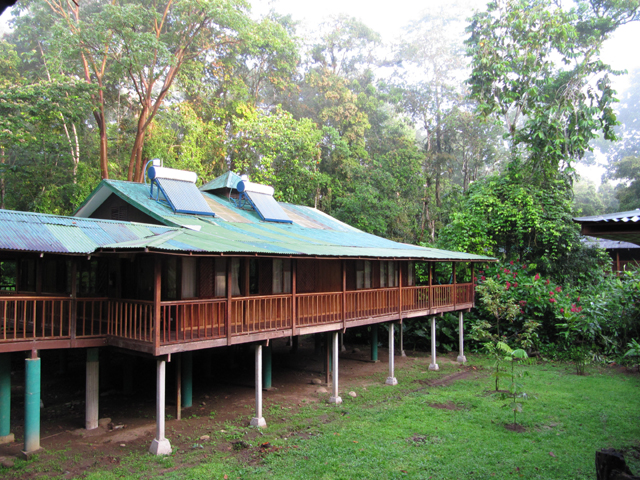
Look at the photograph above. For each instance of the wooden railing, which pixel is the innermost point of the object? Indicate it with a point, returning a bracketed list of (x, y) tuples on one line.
[(29, 318), (260, 314), (92, 316), (188, 320), (37, 317), (415, 298), (319, 308), (131, 319), (371, 303)]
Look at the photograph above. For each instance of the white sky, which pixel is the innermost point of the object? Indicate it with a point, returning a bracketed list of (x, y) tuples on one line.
[(390, 19)]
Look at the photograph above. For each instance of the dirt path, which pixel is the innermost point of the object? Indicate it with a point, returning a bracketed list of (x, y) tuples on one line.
[(127, 421)]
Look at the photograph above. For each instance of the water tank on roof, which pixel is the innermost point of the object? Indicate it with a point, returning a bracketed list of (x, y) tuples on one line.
[(245, 186), (172, 174)]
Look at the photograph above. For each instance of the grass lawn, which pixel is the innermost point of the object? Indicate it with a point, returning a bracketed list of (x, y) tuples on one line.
[(418, 430)]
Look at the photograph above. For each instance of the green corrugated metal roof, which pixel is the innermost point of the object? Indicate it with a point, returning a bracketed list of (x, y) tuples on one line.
[(318, 235), (38, 232)]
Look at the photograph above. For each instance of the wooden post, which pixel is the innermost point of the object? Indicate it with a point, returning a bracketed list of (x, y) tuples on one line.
[(430, 285), (227, 316), (399, 290), (157, 308), (617, 262), (473, 284), (294, 291), (344, 295), (455, 285), (179, 388), (74, 302)]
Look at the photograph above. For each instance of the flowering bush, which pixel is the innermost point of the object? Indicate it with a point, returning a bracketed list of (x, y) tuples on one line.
[(600, 318)]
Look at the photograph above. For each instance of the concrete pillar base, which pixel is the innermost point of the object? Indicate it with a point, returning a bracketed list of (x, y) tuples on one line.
[(336, 400), (27, 455), (434, 367), (258, 422), (160, 447), (391, 381), (402, 354), (7, 439), (461, 359)]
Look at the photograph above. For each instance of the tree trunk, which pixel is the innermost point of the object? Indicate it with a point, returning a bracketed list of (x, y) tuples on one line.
[(610, 465)]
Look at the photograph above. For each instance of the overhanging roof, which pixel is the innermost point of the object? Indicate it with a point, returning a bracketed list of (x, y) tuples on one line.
[(619, 226)]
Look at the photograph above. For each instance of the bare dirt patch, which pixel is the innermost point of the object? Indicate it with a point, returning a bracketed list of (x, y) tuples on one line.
[(446, 406), (515, 427)]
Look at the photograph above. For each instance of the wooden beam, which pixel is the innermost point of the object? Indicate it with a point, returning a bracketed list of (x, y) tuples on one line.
[(227, 314), (294, 299), (157, 298)]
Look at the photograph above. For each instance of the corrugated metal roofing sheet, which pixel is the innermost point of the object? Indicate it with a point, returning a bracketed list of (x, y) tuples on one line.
[(630, 216), (317, 235), (38, 232)]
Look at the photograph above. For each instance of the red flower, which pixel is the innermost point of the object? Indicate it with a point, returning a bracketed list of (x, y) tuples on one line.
[(537, 276), (562, 310), (551, 294), (521, 311), (508, 285), (482, 278), (515, 284), (552, 300), (558, 289), (522, 302), (475, 279), (548, 281), (578, 299), (515, 275), (511, 262), (524, 267), (506, 270), (498, 276), (579, 309)]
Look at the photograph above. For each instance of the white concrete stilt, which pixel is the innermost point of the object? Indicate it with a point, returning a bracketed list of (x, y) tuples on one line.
[(391, 379), (258, 420), (461, 358), (434, 365), (160, 445), (92, 394), (335, 398)]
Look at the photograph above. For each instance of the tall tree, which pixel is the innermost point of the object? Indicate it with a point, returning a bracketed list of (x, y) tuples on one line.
[(536, 67)]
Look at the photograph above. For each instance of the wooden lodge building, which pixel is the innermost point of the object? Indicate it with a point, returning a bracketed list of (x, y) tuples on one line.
[(165, 268)]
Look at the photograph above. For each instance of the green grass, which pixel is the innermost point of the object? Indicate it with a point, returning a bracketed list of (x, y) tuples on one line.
[(394, 432)]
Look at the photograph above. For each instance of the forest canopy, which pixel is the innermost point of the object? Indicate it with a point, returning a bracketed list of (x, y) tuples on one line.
[(413, 141)]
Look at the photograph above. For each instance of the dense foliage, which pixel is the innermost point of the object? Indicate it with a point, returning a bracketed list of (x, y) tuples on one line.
[(92, 90)]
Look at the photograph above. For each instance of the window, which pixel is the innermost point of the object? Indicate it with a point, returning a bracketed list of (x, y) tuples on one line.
[(8, 275), (235, 277), (220, 280), (388, 274), (363, 274), (281, 275), (411, 274), (188, 277)]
